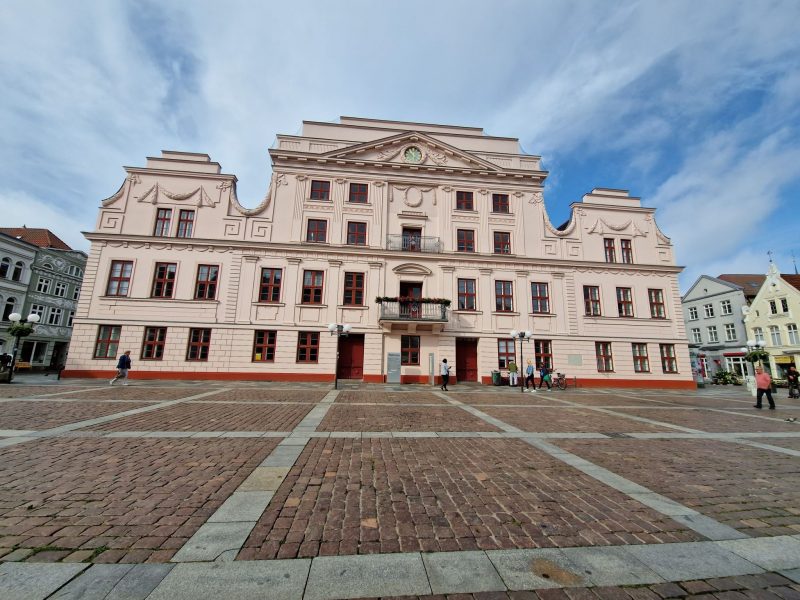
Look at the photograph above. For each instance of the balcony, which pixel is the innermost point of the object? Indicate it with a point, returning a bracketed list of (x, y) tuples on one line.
[(413, 243), (414, 316)]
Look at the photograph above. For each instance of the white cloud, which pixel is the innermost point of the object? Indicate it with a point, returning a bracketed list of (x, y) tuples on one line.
[(21, 209)]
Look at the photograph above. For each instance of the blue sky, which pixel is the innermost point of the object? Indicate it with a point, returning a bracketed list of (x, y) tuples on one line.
[(694, 106)]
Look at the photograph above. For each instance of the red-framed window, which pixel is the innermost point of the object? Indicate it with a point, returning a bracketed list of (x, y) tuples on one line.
[(270, 287), (312, 287), (464, 200), (543, 351), (465, 240), (641, 361), (353, 289), (500, 203), (199, 343), (185, 224), (317, 231), (657, 308), (506, 352), (625, 302), (626, 248), (106, 344), (163, 221), (320, 190), (669, 362), (264, 345), (502, 242), (356, 233), (119, 278), (504, 296), (610, 250), (153, 343), (605, 360), (540, 298), (409, 349), (205, 287), (359, 193), (307, 346), (467, 298), (591, 300), (164, 280)]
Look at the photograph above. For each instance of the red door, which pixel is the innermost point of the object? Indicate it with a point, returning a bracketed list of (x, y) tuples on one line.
[(351, 357), (466, 359)]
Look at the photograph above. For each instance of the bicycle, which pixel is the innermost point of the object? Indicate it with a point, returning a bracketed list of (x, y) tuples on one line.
[(560, 381)]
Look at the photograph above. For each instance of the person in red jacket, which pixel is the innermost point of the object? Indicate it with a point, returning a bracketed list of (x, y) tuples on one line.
[(763, 386)]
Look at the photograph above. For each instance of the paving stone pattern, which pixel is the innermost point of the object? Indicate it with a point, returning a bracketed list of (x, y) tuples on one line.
[(30, 391), (141, 499), (714, 421), (753, 490), (516, 399), (401, 418), (44, 414), (351, 397), (566, 419), (266, 395), (347, 496), (136, 392), (212, 416)]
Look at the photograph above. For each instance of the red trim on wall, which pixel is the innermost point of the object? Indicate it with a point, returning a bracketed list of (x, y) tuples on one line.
[(670, 384)]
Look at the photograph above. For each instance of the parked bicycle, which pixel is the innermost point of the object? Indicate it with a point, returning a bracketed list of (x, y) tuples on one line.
[(560, 381)]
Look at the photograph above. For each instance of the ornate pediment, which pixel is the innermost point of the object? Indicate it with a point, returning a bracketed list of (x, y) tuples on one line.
[(413, 148)]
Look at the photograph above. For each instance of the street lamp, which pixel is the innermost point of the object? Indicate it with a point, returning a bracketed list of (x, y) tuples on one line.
[(339, 330), (521, 336), (20, 329)]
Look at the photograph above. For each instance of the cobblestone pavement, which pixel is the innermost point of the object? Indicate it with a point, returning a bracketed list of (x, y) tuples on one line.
[(278, 478)]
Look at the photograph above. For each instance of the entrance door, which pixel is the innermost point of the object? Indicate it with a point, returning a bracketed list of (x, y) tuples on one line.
[(411, 290), (351, 357), (466, 359)]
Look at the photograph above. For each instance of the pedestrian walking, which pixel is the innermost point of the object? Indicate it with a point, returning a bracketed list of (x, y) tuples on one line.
[(445, 375), (529, 376), (763, 386), (512, 374), (793, 382), (123, 366), (544, 377)]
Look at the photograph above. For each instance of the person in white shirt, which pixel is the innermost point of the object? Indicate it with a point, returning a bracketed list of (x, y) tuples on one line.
[(445, 375)]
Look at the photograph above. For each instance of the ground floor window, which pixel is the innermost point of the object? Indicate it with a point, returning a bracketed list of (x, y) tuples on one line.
[(543, 350), (107, 341), (153, 345), (308, 346), (264, 346), (736, 365), (641, 362), (409, 350), (506, 352), (199, 343), (33, 352), (605, 361), (668, 361)]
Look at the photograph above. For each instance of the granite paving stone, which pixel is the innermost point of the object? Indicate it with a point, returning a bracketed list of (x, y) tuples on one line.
[(45, 414), (401, 418), (416, 397), (35, 581), (713, 421), (265, 395), (545, 419)]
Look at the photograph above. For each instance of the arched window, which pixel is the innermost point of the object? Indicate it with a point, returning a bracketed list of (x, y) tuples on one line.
[(5, 265), (794, 339), (10, 303), (775, 335), (47, 266), (18, 268)]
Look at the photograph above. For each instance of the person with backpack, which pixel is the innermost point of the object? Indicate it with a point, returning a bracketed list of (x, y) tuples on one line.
[(544, 377)]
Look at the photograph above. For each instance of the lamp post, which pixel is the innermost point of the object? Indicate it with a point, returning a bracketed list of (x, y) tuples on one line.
[(20, 329), (754, 350), (339, 330), (521, 336)]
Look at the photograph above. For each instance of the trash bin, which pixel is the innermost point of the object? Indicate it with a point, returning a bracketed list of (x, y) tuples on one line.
[(496, 379)]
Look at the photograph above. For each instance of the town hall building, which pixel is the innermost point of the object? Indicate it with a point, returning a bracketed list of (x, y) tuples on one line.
[(427, 241)]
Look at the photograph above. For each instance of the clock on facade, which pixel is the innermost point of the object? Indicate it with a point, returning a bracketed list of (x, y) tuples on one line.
[(412, 154)]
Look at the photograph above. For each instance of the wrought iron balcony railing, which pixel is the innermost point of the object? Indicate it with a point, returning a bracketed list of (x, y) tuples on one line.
[(413, 243), (413, 311)]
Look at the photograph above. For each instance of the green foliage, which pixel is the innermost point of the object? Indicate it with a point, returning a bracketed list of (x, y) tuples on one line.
[(20, 330), (725, 377), (382, 299), (757, 355)]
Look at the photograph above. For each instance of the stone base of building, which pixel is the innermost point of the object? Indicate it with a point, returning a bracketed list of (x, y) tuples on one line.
[(671, 384)]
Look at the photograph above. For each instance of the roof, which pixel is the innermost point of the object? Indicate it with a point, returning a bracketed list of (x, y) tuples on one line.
[(750, 284), (44, 238), (793, 280)]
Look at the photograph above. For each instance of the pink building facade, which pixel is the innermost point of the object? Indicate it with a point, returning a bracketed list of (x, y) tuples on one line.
[(430, 241)]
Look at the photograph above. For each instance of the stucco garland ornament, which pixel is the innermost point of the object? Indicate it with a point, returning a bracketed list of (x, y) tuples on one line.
[(413, 195)]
